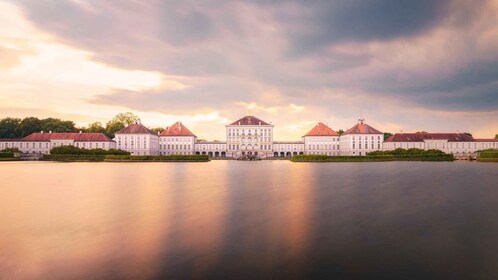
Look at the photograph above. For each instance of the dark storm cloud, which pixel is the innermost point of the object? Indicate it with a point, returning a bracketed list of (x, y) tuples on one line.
[(360, 20)]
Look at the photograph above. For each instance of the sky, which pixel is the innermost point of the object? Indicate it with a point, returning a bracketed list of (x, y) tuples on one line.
[(403, 66)]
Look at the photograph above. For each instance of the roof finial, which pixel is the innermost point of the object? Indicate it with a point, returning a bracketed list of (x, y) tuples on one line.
[(361, 121)]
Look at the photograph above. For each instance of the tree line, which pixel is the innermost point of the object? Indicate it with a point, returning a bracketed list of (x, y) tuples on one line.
[(18, 128)]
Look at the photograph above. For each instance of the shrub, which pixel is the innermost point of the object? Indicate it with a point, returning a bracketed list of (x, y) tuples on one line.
[(409, 152), (66, 157), (6, 154), (158, 158), (10, 150), (72, 150)]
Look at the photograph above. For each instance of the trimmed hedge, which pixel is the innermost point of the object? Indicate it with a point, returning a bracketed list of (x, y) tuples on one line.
[(118, 158), (64, 157), (10, 150), (409, 152), (6, 154), (72, 150), (10, 159), (488, 154), (369, 158), (158, 158)]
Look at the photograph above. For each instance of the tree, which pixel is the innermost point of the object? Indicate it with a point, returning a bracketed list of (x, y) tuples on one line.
[(95, 127), (158, 129), (496, 136), (57, 125), (340, 131), (387, 135), (112, 127), (420, 132), (467, 133), (9, 128), (125, 118), (30, 125), (119, 122)]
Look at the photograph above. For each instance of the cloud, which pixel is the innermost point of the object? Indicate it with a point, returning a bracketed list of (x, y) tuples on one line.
[(326, 22), (331, 60)]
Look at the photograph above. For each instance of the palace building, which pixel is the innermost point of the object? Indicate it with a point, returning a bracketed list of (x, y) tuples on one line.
[(42, 142), (360, 140), (251, 136), (138, 140), (451, 143)]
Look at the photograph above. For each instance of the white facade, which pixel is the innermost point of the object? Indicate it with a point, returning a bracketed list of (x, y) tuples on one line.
[(360, 140), (360, 144), (42, 143), (322, 145), (211, 148), (138, 144), (249, 136), (177, 140), (138, 140), (287, 148), (456, 144), (176, 145)]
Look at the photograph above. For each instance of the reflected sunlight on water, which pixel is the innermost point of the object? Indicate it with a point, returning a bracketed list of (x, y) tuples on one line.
[(247, 220)]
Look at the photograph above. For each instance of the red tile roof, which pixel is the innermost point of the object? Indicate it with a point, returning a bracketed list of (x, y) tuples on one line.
[(249, 120), (321, 130), (420, 137), (362, 128), (78, 137), (136, 128), (178, 129)]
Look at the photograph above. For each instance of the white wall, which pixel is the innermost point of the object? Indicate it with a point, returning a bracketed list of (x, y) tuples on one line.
[(321, 145), (443, 145), (44, 147), (249, 138), (176, 145), (138, 144), (360, 144)]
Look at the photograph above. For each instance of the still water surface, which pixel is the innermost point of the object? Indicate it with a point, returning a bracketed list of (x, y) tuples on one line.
[(248, 220)]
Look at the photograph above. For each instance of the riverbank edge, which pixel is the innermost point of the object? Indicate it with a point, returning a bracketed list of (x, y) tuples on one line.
[(10, 159), (487, 159), (446, 158), (124, 158)]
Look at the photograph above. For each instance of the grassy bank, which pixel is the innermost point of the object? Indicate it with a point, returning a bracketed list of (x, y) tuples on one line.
[(490, 155), (8, 155), (10, 159), (172, 158), (4, 154), (72, 158), (125, 158), (373, 158)]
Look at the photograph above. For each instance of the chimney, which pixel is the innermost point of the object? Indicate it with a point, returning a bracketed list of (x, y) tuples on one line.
[(360, 121)]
